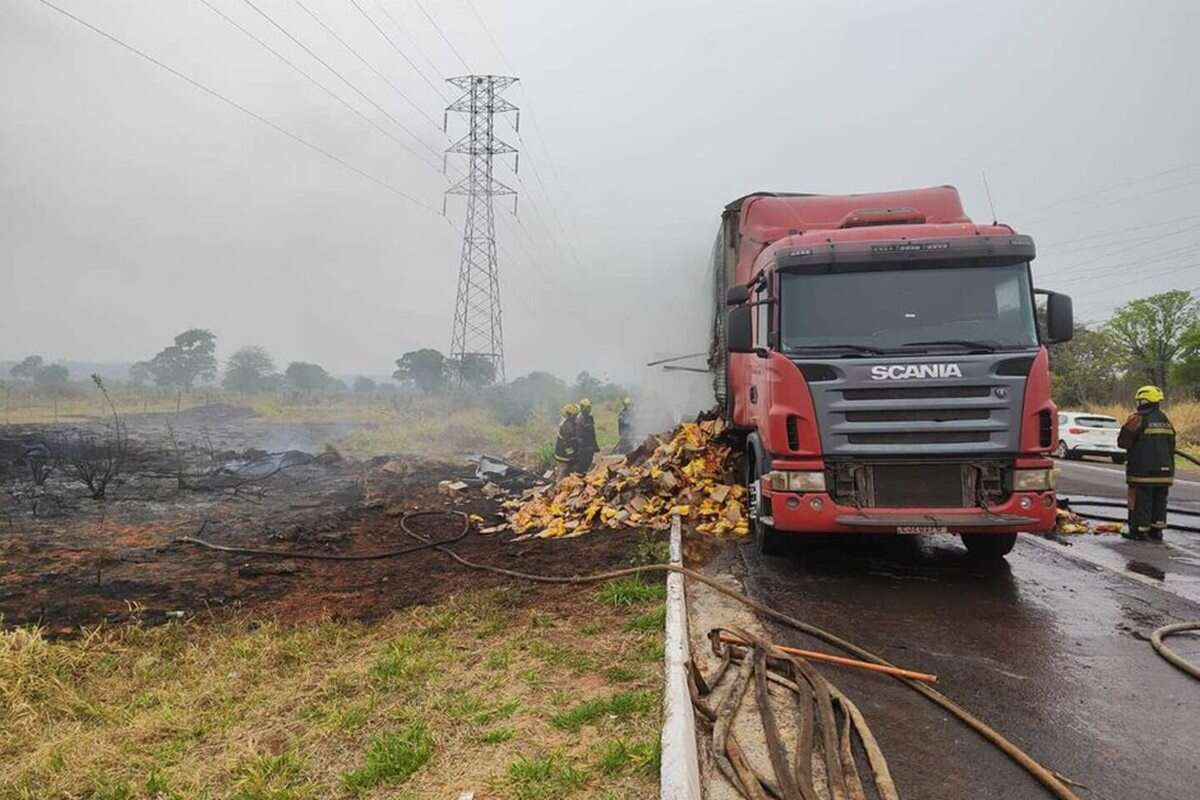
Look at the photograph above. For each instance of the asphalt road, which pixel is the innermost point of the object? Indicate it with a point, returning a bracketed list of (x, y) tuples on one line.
[(1047, 648), (1178, 559)]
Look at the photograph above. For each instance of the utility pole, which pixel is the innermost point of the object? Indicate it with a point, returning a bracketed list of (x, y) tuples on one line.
[(477, 340)]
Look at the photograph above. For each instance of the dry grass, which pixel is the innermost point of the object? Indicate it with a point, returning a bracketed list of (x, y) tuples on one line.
[(473, 694), (363, 426), (1184, 416)]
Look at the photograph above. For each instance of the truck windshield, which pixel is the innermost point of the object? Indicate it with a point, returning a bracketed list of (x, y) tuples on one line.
[(909, 310)]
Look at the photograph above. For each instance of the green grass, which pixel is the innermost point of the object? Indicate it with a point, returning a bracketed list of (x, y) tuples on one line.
[(621, 757), (273, 778), (651, 548), (230, 706), (497, 736), (404, 663), (546, 778), (619, 706), (391, 758), (654, 620), (631, 591), (621, 674)]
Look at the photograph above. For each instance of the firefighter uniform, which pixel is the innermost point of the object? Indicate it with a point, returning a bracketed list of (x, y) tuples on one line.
[(567, 444), (588, 446), (1149, 440), (625, 426)]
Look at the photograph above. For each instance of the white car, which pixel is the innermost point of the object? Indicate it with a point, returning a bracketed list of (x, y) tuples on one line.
[(1081, 434)]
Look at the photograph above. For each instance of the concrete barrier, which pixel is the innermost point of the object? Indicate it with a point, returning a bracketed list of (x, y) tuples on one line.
[(680, 775)]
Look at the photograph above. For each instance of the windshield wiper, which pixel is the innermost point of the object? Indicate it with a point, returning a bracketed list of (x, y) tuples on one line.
[(854, 348), (967, 343)]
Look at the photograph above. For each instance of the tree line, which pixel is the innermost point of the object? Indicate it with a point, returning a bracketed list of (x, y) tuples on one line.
[(1154, 339), (191, 360)]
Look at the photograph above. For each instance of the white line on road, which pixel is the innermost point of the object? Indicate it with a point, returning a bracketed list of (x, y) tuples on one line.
[(1119, 474), (1070, 552)]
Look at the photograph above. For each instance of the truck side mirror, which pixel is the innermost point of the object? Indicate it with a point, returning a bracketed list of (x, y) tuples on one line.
[(1060, 318), (738, 332), (737, 294)]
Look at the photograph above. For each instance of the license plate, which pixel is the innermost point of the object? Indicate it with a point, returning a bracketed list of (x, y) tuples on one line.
[(921, 529)]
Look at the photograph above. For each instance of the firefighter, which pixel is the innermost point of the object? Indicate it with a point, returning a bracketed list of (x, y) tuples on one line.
[(588, 446), (567, 444), (625, 426), (1149, 441)]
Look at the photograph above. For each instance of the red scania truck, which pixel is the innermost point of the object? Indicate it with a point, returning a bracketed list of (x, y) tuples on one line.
[(882, 357)]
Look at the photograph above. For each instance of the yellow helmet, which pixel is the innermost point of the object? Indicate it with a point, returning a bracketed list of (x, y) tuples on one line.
[(570, 410), (1149, 394), (585, 403)]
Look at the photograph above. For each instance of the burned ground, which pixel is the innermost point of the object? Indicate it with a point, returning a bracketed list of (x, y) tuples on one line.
[(219, 472)]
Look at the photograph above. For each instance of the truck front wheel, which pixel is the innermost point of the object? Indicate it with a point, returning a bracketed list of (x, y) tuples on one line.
[(767, 540), (989, 545)]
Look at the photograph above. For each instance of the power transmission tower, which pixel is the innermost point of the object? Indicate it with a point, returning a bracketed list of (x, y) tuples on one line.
[(477, 341)]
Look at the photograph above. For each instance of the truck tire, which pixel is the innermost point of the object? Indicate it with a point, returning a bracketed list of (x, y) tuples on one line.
[(989, 546), (767, 540)]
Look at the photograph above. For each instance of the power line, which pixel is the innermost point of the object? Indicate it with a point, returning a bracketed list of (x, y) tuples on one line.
[(369, 66), (412, 41), (437, 90), (1119, 200), (1098, 266), (213, 93), (532, 162), (1111, 232), (1093, 269), (442, 34), (1118, 185), (312, 80), (344, 80)]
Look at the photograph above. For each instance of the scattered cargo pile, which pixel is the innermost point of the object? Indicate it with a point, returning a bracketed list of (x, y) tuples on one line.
[(687, 475), (1069, 522)]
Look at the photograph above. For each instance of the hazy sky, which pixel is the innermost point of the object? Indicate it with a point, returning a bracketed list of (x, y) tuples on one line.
[(133, 205)]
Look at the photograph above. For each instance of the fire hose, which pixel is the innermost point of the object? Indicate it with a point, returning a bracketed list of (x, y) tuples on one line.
[(1055, 784), (1177, 661)]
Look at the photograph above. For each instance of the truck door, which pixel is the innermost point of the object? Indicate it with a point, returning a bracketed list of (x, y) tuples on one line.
[(757, 378)]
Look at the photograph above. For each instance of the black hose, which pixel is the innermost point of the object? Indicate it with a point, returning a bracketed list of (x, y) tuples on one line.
[(1069, 503), (425, 544)]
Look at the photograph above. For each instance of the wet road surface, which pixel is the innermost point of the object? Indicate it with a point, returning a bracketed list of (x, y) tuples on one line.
[(1048, 650), (1178, 559)]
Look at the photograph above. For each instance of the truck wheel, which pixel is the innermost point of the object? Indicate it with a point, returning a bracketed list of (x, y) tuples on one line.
[(767, 540), (989, 546)]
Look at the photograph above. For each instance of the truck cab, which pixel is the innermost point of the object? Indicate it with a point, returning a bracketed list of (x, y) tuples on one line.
[(882, 357)]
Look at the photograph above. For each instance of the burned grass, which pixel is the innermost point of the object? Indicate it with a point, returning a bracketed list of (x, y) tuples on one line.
[(133, 666)]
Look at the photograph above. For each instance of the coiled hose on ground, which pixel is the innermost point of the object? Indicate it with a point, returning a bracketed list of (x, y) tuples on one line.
[(1049, 779)]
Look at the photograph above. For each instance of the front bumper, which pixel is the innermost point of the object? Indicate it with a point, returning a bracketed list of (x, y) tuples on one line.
[(791, 512)]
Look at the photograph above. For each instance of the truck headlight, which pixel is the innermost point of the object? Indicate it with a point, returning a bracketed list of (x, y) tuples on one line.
[(1033, 480), (781, 481)]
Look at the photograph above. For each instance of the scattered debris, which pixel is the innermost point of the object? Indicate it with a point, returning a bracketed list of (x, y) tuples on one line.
[(685, 475), (1068, 522), (451, 487)]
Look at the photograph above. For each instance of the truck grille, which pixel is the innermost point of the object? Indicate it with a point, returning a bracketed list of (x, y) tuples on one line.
[(917, 393), (918, 437), (900, 420), (938, 484)]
